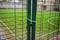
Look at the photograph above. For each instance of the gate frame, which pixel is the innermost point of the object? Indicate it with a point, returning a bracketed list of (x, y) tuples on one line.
[(33, 25), (28, 17)]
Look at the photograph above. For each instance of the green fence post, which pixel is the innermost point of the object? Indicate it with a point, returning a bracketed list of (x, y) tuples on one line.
[(28, 17), (34, 8)]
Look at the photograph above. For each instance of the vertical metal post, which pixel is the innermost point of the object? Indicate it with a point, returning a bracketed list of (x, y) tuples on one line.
[(28, 17), (58, 21), (34, 8), (15, 17)]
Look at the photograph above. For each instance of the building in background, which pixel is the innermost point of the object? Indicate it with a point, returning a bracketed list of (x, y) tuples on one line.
[(0, 2), (41, 4), (49, 5), (10, 4), (57, 5)]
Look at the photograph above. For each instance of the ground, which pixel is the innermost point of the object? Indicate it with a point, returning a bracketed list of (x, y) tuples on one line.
[(2, 34), (43, 23), (56, 38)]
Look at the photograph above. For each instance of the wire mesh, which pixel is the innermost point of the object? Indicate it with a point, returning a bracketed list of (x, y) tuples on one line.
[(47, 24), (18, 20), (13, 19)]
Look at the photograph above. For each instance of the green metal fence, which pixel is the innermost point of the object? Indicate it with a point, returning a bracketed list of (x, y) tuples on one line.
[(30, 20)]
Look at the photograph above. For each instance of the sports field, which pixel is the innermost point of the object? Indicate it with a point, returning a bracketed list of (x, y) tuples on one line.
[(15, 22)]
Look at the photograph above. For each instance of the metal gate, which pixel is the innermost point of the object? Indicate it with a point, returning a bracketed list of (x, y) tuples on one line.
[(29, 20)]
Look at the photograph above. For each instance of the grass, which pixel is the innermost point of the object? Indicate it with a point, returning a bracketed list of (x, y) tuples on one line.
[(42, 24)]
